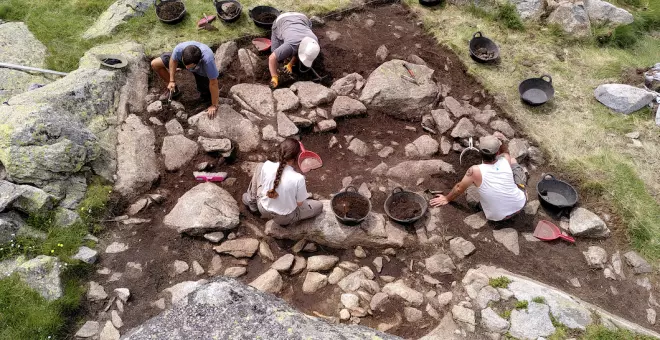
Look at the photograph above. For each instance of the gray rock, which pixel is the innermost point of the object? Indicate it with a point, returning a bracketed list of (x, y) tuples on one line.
[(225, 55), (508, 237), (88, 330), (418, 169), (177, 151), (313, 282), (299, 264), (215, 237), (385, 152), (347, 84), (445, 145), (572, 18), (22, 48), (122, 294), (204, 208), (173, 127), (453, 106), (532, 207), (485, 116), (265, 252), (445, 298), (347, 106), (638, 263), (284, 263), (463, 129), (285, 126), (137, 167), (286, 100), (623, 98), (651, 316), (531, 323), (244, 247), (181, 290), (350, 301), (301, 122), (231, 125), (268, 133), (215, 145), (439, 264), (117, 14), (116, 247), (235, 271), (9, 192), (400, 289), (584, 223), (116, 320), (325, 230), (443, 121), (415, 59), (312, 94), (359, 147), (424, 147), (332, 35), (109, 332), (604, 13), (461, 247), (10, 225), (254, 97), (378, 300), (464, 316), (154, 108), (321, 262), (486, 295), (476, 221), (180, 267), (503, 127), (530, 9), (412, 314), (382, 52), (518, 149), (33, 200), (218, 309), (270, 282), (96, 292), (326, 125), (492, 322), (386, 91), (41, 273), (250, 62), (86, 255), (596, 257)]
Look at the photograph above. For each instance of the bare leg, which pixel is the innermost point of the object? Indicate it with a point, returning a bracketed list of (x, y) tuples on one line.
[(160, 68)]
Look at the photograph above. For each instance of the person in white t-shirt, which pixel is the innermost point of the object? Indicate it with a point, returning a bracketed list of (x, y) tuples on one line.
[(278, 192), (500, 179)]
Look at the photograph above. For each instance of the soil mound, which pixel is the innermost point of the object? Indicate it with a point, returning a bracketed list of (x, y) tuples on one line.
[(170, 10)]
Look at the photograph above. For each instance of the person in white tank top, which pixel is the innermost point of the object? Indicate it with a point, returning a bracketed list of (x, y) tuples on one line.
[(500, 179)]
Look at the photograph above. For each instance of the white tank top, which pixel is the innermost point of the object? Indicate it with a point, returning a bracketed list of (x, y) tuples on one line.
[(499, 194)]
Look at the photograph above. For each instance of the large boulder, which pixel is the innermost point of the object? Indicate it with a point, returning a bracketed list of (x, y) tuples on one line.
[(584, 223), (312, 94), (227, 124), (572, 18), (374, 231), (623, 98), (177, 151), (348, 84), (412, 170), (254, 97), (118, 13), (604, 13), (137, 165), (19, 46), (41, 273), (385, 90), (204, 208), (225, 55), (531, 323), (530, 9), (52, 132), (226, 309)]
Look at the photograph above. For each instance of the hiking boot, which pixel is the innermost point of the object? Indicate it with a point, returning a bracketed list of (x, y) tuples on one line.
[(166, 95)]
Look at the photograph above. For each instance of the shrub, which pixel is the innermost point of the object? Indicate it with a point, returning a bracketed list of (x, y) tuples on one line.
[(499, 282)]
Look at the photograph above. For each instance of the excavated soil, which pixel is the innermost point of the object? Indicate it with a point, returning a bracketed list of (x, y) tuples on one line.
[(403, 208), (170, 10), (351, 206), (156, 247)]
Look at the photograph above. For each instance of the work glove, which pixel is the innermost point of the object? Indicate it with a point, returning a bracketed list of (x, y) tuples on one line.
[(288, 68), (274, 81)]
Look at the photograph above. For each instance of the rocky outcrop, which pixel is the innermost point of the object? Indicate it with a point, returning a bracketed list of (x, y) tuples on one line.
[(41, 273), (205, 208), (572, 18), (623, 98), (417, 169), (19, 46), (386, 91), (604, 13), (312, 94), (225, 55), (227, 309), (530, 9), (228, 124), (325, 230), (117, 14), (137, 166)]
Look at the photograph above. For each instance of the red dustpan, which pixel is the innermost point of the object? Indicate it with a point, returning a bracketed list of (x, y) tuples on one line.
[(546, 231), (262, 44), (308, 160)]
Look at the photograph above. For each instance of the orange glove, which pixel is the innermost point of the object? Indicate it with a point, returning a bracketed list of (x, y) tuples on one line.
[(288, 68), (274, 81)]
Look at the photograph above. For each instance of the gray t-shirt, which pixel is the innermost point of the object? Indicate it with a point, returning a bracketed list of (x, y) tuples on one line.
[(288, 31), (206, 66)]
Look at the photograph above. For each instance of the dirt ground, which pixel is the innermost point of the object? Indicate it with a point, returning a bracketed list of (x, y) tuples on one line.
[(156, 247)]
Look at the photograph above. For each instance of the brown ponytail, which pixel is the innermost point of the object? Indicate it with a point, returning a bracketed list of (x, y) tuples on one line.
[(289, 150)]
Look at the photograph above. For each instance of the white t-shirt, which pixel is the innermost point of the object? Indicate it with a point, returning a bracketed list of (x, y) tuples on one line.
[(499, 194), (292, 189)]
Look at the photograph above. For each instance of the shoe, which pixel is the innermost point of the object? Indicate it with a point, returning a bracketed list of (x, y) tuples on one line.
[(166, 95)]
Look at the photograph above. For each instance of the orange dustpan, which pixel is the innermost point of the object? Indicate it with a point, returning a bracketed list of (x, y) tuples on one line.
[(308, 160), (547, 231), (261, 44)]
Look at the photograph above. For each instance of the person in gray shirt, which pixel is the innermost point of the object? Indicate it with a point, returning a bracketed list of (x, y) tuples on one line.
[(293, 38)]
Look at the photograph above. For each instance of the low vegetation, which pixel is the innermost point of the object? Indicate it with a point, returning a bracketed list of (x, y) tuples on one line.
[(600, 332), (522, 304), (539, 299), (499, 282)]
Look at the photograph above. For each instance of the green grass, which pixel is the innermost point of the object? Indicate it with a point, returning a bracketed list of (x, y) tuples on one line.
[(505, 15), (522, 304), (627, 36), (506, 314), (561, 331), (539, 299), (499, 282), (600, 332)]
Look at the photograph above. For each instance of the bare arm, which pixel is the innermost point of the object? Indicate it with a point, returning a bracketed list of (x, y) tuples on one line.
[(213, 88), (457, 190), (172, 68), (272, 65)]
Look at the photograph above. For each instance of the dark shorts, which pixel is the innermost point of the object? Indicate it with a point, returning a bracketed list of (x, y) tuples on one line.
[(201, 81)]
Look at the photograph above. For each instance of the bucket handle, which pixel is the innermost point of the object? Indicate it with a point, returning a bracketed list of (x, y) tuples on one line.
[(475, 35), (397, 190), (350, 187), (549, 80), (545, 177)]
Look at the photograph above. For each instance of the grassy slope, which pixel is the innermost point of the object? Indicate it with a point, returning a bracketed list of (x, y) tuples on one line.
[(574, 128)]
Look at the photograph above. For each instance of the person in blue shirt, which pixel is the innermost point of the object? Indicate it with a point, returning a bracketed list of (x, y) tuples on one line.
[(196, 58)]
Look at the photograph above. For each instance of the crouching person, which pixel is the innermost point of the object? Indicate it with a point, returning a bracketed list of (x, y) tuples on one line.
[(278, 192)]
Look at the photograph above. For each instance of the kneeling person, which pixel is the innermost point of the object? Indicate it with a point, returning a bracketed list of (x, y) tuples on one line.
[(292, 36), (278, 192), (500, 179)]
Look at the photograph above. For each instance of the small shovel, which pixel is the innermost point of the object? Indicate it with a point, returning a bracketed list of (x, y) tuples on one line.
[(470, 147), (207, 19), (547, 231), (308, 160)]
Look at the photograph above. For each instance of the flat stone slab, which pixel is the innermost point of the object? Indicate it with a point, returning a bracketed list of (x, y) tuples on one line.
[(623, 98), (227, 124)]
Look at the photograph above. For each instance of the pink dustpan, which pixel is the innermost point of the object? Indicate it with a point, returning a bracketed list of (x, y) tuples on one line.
[(308, 160), (547, 231)]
